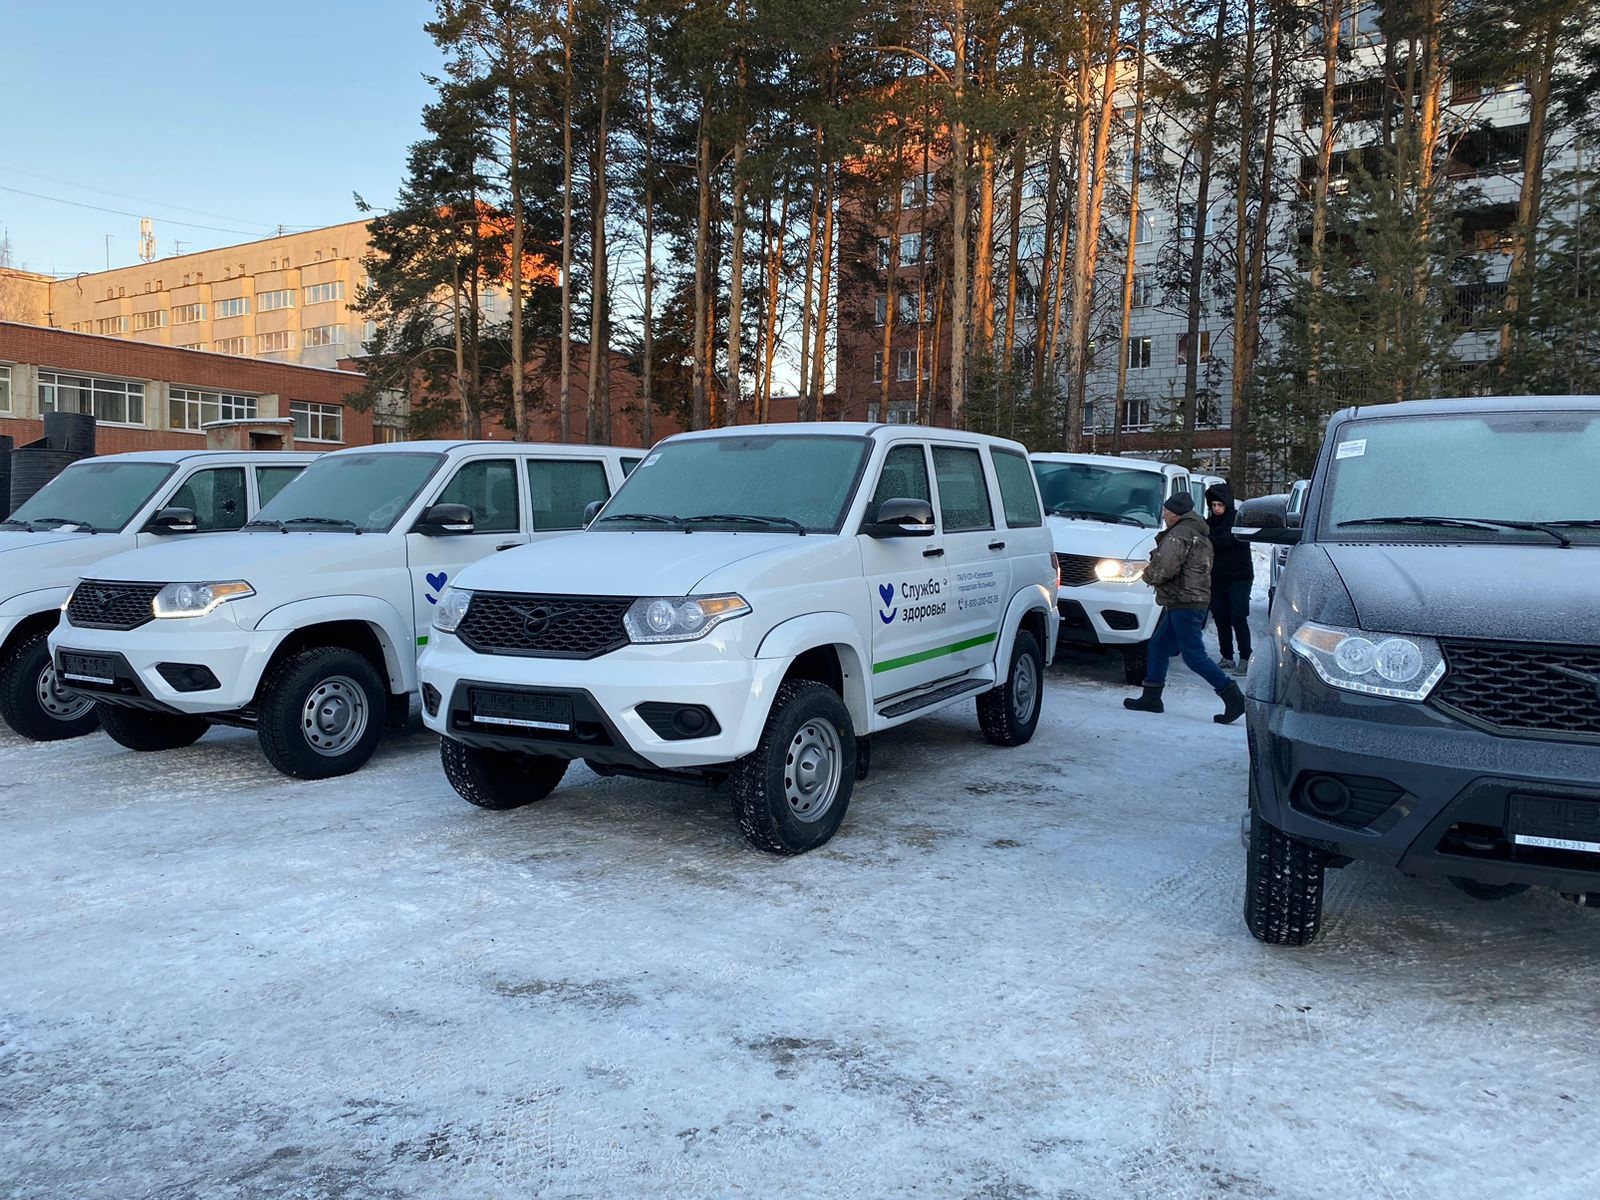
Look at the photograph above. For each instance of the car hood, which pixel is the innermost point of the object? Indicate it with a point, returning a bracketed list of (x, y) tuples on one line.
[(260, 559), (644, 563), (17, 541), (37, 561), (1100, 539), (1502, 592)]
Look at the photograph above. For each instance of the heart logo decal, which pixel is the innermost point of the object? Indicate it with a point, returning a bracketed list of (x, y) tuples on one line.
[(436, 581), (886, 590)]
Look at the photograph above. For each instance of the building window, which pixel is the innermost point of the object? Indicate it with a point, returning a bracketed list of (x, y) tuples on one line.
[(193, 410), (187, 314), (905, 365), (239, 306), (1143, 291), (111, 325), (1138, 353), (1186, 220), (877, 367), (5, 387), (317, 422), (269, 301), (324, 335), (321, 293), (192, 346), (880, 312), (237, 345), (910, 248), (1141, 230), (1205, 347), (1030, 241), (275, 343), (916, 191), (156, 318), (1135, 412), (906, 308), (115, 401), (1027, 300), (902, 414)]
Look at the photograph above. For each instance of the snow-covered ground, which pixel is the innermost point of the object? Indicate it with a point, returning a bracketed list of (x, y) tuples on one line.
[(1013, 974)]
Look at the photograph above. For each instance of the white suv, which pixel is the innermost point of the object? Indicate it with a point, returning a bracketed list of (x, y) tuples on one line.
[(1105, 513), (750, 607), (306, 625), (94, 509)]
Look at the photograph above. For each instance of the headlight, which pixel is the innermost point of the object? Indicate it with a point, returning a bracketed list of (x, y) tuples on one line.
[(1403, 668), (1118, 570), (451, 609), (197, 599), (680, 619)]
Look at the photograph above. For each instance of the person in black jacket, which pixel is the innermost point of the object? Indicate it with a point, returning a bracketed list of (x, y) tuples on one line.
[(1232, 576)]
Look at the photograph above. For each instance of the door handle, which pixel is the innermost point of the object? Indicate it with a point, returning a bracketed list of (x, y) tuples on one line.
[(507, 546), (997, 545), (936, 552)]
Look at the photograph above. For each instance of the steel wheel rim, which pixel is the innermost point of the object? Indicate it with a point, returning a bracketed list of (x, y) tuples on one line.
[(57, 704), (812, 770), (1025, 689), (334, 715)]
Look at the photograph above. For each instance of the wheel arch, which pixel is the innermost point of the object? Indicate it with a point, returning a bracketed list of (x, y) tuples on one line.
[(1030, 609), (826, 648), (372, 628)]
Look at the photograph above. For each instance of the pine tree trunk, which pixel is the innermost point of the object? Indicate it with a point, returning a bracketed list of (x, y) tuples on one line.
[(519, 403), (1197, 257), (1072, 411), (819, 348), (736, 285), (700, 411), (599, 395), (890, 291), (564, 397), (813, 228), (1247, 354), (773, 253), (1524, 234), (960, 293), (1332, 10), (646, 382), (1119, 404), (1238, 416), (1043, 304)]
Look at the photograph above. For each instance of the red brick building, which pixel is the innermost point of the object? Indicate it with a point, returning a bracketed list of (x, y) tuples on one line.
[(161, 397)]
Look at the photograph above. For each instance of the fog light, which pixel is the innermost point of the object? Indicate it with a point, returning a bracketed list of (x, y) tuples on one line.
[(430, 699), (1327, 795)]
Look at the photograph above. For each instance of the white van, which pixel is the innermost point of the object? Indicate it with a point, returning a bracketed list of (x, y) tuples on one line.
[(1105, 513), (96, 508), (305, 626), (750, 608)]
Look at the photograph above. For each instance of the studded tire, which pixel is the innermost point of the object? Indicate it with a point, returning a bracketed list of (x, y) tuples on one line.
[(287, 724), (26, 679), (1282, 887), (773, 802), (147, 732), (1009, 714), (499, 779)]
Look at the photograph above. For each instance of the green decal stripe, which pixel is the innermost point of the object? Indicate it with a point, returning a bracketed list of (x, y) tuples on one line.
[(422, 641), (936, 652)]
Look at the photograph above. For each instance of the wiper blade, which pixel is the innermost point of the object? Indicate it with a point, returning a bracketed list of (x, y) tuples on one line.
[(1584, 523), (1488, 523), (340, 522), (16, 525), (746, 519), (36, 521), (675, 522), (267, 524)]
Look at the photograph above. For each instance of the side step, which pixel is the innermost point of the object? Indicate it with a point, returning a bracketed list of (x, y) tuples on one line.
[(939, 695)]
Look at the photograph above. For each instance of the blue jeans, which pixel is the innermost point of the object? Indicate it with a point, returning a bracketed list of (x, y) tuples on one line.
[(1178, 632)]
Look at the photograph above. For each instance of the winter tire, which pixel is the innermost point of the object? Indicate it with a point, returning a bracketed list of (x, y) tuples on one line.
[(1282, 886), (1135, 661), (31, 701), (321, 713), (499, 779), (1009, 714), (790, 793), (1488, 891), (145, 731)]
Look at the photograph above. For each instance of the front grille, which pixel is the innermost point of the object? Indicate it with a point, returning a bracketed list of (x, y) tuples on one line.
[(545, 626), (1077, 569), (1523, 690), (99, 604)]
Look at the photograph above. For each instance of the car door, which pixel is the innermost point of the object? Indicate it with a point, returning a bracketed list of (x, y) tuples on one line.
[(492, 489), (975, 552), (215, 494), (907, 583), (560, 489)]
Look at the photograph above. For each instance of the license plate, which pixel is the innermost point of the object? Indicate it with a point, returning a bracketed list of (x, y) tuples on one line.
[(1556, 823), (522, 710), (88, 668)]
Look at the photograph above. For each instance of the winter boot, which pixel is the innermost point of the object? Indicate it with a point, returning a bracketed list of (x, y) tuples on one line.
[(1147, 701), (1232, 705)]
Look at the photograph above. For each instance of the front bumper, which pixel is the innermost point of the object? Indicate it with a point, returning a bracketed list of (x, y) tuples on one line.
[(1427, 794), (607, 693), (236, 657), (1107, 614)]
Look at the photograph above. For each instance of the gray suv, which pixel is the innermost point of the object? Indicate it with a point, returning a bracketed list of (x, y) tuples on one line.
[(1431, 696)]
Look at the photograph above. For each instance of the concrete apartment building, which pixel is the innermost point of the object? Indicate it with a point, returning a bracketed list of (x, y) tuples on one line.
[(1489, 124)]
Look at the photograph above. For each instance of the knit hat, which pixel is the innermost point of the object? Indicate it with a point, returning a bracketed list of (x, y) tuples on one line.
[(1180, 504)]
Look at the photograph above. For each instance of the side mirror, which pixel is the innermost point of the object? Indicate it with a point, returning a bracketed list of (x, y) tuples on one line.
[(901, 517), (1269, 512), (173, 520), (1278, 536), (591, 510), (445, 520)]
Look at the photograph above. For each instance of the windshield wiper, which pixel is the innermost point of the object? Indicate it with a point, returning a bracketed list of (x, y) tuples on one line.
[(675, 522), (341, 522), (269, 523), (1489, 523), (1582, 523), (1089, 514), (36, 521), (16, 525), (746, 519)]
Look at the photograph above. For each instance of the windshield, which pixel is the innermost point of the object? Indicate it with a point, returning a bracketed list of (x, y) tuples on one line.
[(349, 492), (1388, 476), (103, 496), (758, 483), (1094, 491)]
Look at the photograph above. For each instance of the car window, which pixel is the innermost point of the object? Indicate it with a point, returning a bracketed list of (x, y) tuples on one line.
[(904, 477), (217, 497), (1179, 484), (963, 491), (628, 464), (562, 488), (1019, 496), (272, 480), (489, 489)]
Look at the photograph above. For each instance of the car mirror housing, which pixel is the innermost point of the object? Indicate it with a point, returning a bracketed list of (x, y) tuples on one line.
[(1271, 536), (591, 510), (173, 520), (902, 517), (445, 520)]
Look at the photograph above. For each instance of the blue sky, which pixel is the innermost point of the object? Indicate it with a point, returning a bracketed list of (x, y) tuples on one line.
[(235, 116)]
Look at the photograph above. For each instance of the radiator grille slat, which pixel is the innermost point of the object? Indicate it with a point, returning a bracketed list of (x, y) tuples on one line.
[(1527, 690), (543, 626), (108, 604)]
